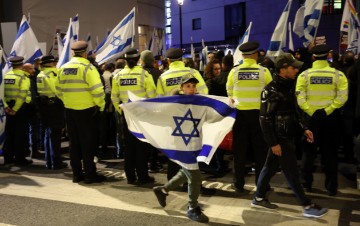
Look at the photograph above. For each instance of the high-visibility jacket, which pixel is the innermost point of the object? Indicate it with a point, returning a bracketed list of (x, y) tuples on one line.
[(137, 80), (45, 81), (28, 95), (170, 80), (321, 87), (245, 83), (16, 87), (79, 86)]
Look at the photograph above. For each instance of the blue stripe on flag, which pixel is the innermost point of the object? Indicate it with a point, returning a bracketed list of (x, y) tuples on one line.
[(274, 45), (37, 54), (221, 108), (205, 151), (23, 27), (138, 135), (119, 48), (187, 157), (127, 19)]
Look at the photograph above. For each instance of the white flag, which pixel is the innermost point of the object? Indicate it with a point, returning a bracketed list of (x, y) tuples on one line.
[(278, 38), (186, 128), (119, 40), (238, 57), (25, 45), (203, 57), (291, 44), (312, 14), (90, 46), (192, 49), (2, 109), (60, 44), (298, 27), (66, 53)]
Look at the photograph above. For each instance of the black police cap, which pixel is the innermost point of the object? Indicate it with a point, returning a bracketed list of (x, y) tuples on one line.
[(47, 59), (79, 46), (16, 60), (249, 47), (131, 53), (320, 50), (174, 53)]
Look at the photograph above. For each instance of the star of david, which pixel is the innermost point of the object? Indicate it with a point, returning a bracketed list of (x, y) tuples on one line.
[(179, 122), (2, 111), (116, 41)]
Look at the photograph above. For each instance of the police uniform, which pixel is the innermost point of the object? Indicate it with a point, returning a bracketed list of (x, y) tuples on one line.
[(321, 91), (51, 111), (79, 87), (245, 83), (16, 95), (138, 81)]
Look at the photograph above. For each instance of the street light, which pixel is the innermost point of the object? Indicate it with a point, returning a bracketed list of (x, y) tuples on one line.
[(180, 3)]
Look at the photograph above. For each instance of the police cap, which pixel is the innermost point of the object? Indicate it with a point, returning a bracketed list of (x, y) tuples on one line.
[(188, 78), (249, 48), (16, 60), (174, 54), (79, 46), (131, 53), (287, 59), (320, 50), (47, 59)]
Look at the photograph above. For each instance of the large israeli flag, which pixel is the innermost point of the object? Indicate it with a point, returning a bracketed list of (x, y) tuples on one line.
[(312, 15), (186, 128), (99, 46), (66, 53), (238, 57), (2, 109), (25, 45), (278, 38), (119, 40)]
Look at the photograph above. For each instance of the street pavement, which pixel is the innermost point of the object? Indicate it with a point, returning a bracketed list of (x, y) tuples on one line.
[(34, 195)]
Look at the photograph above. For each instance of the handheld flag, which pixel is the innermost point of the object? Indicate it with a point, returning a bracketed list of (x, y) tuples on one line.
[(312, 15), (192, 49), (66, 51), (186, 128), (2, 109), (90, 47), (278, 38), (204, 53), (119, 40), (350, 27), (98, 46), (291, 44), (60, 44), (238, 57), (25, 45), (75, 27)]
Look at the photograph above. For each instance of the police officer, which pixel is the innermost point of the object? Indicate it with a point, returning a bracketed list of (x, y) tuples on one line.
[(321, 91), (17, 86), (245, 83), (169, 84), (137, 80), (79, 87), (52, 113)]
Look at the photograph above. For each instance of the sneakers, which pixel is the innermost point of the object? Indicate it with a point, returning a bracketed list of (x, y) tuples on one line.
[(264, 203), (197, 215), (160, 195), (315, 211)]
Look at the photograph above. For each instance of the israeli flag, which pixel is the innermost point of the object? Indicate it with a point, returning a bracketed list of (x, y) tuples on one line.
[(90, 46), (5, 58), (238, 57), (75, 27), (312, 14), (60, 44), (192, 50), (2, 109), (66, 53), (186, 128), (120, 39), (98, 46), (25, 45), (278, 38), (350, 26)]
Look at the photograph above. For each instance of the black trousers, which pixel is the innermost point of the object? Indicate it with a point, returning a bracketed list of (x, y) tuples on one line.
[(289, 167), (83, 133), (247, 133), (52, 117), (326, 138), (17, 135), (136, 158)]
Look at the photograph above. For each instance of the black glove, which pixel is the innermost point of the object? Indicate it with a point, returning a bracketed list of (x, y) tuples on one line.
[(319, 115)]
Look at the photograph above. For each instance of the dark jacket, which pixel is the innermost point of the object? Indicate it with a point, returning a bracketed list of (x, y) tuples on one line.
[(217, 85), (279, 112), (154, 72)]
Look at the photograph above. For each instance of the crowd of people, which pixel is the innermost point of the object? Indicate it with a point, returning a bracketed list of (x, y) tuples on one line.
[(287, 109)]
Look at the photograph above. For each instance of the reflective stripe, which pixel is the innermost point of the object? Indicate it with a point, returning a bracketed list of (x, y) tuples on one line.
[(73, 81), (173, 72), (202, 87), (95, 87), (320, 93), (134, 91), (68, 90), (320, 102), (98, 95), (248, 88), (248, 99)]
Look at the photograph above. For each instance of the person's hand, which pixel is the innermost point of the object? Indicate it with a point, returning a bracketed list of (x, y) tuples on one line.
[(309, 136), (276, 150), (10, 111)]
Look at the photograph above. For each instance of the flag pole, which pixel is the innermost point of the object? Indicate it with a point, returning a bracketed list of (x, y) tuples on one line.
[(317, 27)]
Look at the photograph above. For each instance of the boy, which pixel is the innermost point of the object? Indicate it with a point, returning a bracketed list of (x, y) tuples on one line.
[(192, 177)]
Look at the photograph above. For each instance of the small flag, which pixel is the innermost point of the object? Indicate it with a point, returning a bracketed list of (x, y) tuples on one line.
[(291, 44), (66, 51), (90, 46), (238, 57), (350, 26)]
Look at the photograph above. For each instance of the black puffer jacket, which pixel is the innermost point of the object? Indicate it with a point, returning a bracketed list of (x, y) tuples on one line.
[(280, 116)]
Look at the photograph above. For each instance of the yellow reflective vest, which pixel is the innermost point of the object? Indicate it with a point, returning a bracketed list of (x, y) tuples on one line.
[(135, 80), (45, 81), (16, 88), (321, 87), (245, 83), (170, 80), (79, 86)]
